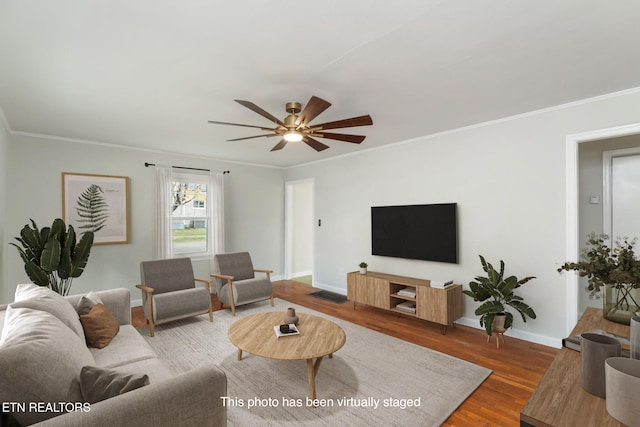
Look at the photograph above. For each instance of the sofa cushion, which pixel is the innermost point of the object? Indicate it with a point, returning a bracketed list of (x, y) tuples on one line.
[(87, 302), (98, 384), (40, 361), (99, 326), (126, 347), (44, 299), (156, 369)]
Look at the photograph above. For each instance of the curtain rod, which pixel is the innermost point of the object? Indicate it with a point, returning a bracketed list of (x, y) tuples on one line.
[(146, 164)]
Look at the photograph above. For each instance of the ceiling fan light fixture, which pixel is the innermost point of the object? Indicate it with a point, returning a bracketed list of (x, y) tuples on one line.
[(292, 136)]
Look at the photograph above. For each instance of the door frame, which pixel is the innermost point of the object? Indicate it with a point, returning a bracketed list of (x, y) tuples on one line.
[(572, 248), (607, 170), (288, 225)]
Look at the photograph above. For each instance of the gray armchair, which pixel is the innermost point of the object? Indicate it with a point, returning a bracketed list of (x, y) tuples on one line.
[(236, 283), (169, 291)]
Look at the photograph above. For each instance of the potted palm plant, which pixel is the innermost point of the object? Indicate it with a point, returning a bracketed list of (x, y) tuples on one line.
[(52, 256), (496, 293)]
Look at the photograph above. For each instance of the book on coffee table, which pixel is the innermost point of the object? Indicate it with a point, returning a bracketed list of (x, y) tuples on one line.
[(293, 330)]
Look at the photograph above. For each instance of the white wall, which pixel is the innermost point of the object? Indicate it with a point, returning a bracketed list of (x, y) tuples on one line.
[(508, 178), (253, 208), (4, 143), (302, 235)]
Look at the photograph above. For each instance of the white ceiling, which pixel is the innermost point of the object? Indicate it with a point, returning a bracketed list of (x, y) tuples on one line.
[(150, 73)]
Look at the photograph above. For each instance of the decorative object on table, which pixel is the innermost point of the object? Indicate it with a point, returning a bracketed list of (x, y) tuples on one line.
[(616, 272), (52, 256), (623, 387), (285, 330), (595, 349), (634, 337), (573, 342), (97, 203), (497, 294), (291, 316), (363, 267)]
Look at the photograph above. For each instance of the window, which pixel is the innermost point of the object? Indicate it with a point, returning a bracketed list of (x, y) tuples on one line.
[(190, 214), (189, 217)]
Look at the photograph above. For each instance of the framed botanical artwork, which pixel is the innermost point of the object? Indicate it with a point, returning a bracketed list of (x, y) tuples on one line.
[(98, 203)]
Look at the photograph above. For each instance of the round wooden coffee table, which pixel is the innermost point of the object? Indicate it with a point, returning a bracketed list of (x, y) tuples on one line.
[(318, 337)]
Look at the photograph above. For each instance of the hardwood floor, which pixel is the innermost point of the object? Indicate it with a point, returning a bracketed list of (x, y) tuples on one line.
[(517, 366)]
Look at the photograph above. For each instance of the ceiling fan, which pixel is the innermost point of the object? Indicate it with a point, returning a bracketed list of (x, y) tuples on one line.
[(296, 127)]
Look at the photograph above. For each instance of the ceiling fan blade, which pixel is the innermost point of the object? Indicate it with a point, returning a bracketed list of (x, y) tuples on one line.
[(314, 107), (238, 124), (248, 137), (316, 145), (346, 123), (253, 107), (280, 145), (356, 139)]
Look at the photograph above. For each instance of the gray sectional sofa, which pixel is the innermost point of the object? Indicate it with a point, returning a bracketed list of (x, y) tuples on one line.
[(43, 351)]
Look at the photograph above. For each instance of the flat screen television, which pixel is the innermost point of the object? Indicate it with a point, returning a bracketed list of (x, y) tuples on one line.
[(424, 232)]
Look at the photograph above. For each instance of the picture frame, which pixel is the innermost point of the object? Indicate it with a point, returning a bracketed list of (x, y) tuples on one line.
[(98, 203)]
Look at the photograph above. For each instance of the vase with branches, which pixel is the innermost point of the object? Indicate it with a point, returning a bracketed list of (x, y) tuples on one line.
[(613, 272)]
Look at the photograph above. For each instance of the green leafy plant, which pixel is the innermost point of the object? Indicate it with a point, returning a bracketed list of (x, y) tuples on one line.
[(92, 209), (363, 265), (619, 268), (497, 294), (51, 256)]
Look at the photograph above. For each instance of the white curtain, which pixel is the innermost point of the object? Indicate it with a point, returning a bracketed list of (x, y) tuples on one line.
[(216, 214), (164, 247)]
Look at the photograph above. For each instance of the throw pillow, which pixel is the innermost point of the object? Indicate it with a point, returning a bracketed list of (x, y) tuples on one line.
[(44, 299), (87, 302), (99, 326), (99, 384)]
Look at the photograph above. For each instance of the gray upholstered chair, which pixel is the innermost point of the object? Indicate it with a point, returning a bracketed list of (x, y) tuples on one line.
[(236, 283), (169, 291)]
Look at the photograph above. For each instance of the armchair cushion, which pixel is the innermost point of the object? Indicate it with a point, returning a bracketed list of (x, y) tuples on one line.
[(167, 275), (246, 291), (236, 264), (179, 304)]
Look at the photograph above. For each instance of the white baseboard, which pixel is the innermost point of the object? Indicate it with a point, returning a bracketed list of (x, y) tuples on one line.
[(330, 288), (516, 333), (301, 274)]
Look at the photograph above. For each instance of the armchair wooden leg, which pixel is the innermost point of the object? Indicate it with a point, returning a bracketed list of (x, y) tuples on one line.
[(272, 301), (231, 300), (150, 311)]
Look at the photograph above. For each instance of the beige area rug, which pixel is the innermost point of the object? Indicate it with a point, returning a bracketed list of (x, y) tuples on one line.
[(371, 368)]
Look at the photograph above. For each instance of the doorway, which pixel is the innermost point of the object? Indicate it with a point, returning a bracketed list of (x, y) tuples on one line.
[(574, 238), (299, 197)]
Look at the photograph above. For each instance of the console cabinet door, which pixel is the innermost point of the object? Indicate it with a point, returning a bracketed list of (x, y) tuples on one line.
[(368, 290)]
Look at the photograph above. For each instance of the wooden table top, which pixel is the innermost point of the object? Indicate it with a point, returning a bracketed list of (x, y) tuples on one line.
[(318, 337), (559, 399)]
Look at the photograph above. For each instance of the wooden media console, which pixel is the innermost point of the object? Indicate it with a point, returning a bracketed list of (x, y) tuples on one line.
[(387, 291)]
